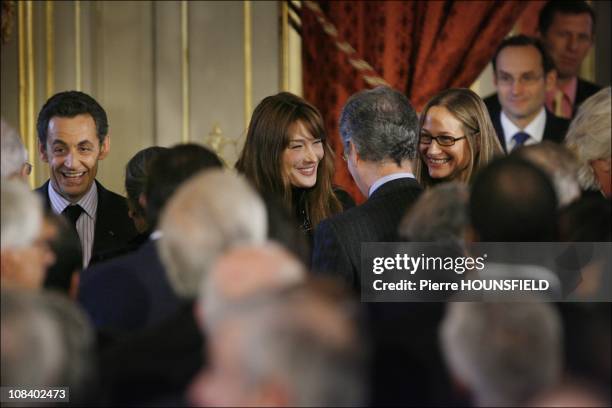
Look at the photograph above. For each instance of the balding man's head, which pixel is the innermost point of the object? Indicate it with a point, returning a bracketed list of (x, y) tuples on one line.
[(244, 272)]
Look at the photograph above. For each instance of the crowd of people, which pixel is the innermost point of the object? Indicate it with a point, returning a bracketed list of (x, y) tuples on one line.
[(209, 286)]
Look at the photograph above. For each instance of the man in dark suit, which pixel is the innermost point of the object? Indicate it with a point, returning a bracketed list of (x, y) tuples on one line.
[(208, 214), (137, 283), (567, 30), (379, 129), (73, 137), (523, 72)]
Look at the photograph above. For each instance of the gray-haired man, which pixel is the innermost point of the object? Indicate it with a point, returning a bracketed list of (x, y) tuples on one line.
[(379, 129)]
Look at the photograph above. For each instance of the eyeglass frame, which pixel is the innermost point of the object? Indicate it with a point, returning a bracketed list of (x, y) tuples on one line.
[(435, 138)]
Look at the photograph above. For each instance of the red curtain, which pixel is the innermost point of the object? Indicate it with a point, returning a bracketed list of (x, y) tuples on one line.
[(419, 47)]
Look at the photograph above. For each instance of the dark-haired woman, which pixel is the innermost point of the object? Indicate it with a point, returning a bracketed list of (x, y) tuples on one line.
[(286, 153)]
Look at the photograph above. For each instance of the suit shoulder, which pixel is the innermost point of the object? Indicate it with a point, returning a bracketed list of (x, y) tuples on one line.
[(557, 121), (588, 86)]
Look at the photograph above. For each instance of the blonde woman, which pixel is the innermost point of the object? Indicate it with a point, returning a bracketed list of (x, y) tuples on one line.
[(456, 138)]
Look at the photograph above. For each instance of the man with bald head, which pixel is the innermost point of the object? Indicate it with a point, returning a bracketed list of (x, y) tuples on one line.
[(25, 255), (242, 273), (14, 155)]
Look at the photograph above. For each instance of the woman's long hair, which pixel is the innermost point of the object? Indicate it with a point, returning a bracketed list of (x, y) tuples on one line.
[(467, 107), (261, 160)]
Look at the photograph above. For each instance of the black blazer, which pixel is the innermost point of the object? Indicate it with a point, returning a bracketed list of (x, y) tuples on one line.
[(114, 228), (554, 129), (584, 90), (337, 241), (128, 293)]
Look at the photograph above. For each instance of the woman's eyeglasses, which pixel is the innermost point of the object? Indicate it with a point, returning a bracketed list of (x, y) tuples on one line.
[(441, 140)]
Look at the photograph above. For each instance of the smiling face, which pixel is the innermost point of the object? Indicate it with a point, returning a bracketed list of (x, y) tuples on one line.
[(72, 151), (568, 40), (521, 83), (302, 156), (444, 162)]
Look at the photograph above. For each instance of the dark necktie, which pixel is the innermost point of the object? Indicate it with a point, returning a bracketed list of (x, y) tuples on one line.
[(72, 214), (519, 138)]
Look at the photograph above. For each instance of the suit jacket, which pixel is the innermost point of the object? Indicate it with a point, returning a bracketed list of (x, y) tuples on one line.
[(554, 129), (337, 242), (153, 367), (127, 293), (584, 89), (114, 228)]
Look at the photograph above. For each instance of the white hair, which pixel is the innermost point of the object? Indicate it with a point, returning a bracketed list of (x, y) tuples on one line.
[(32, 351), (22, 214), (308, 345), (589, 136), (561, 166), (505, 353), (14, 154), (244, 272), (439, 215), (46, 341), (207, 215)]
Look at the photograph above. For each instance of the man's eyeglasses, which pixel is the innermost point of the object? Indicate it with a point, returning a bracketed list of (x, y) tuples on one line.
[(441, 140)]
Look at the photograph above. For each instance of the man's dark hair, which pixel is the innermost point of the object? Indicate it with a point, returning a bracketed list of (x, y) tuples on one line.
[(136, 174), (69, 104), (169, 170), (525, 41), (66, 247), (512, 200), (547, 14)]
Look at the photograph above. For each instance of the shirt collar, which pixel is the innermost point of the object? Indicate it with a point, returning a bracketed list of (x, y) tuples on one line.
[(155, 235), (386, 179), (89, 202), (535, 129), (570, 89)]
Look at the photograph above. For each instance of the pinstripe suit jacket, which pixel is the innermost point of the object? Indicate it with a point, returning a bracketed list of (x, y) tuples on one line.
[(337, 242)]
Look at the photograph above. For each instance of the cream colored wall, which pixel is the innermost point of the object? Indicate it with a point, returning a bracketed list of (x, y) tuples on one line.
[(130, 61)]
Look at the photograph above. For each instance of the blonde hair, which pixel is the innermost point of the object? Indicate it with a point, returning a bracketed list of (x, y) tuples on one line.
[(470, 110), (588, 136)]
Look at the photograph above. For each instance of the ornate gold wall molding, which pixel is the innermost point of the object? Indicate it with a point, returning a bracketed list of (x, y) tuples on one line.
[(77, 45), (248, 64), (26, 83), (49, 50), (185, 68)]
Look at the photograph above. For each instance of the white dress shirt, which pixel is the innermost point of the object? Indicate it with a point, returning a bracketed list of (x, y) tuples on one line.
[(387, 179), (535, 129)]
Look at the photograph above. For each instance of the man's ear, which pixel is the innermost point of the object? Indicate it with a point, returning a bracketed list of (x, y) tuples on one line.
[(551, 80), (142, 200), (354, 151), (42, 152), (104, 148)]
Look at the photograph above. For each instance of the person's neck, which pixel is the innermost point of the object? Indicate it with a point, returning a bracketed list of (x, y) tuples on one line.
[(376, 171), (523, 122), (563, 81), (72, 200)]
